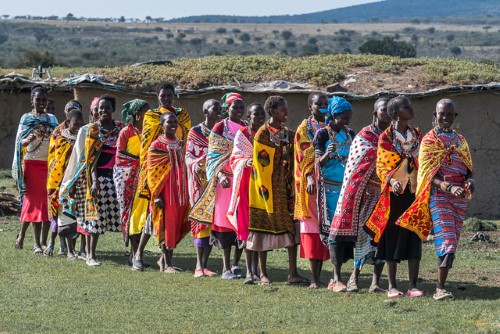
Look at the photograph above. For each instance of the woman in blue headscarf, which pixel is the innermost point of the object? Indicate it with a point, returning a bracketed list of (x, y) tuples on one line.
[(331, 145)]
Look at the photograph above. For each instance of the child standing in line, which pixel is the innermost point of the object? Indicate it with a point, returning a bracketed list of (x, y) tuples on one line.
[(167, 182), (241, 162)]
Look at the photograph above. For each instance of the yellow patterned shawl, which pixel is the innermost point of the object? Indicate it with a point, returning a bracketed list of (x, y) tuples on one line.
[(261, 184), (151, 130), (433, 153), (304, 165), (388, 159), (219, 152), (61, 148)]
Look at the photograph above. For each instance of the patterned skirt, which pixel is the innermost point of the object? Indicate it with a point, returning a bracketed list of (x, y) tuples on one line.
[(108, 209)]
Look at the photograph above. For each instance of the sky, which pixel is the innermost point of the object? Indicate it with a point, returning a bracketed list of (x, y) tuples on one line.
[(168, 8)]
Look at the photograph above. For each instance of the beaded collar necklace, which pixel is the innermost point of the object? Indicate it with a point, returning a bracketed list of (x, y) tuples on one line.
[(312, 126), (412, 144), (277, 136), (336, 155), (108, 135), (171, 144)]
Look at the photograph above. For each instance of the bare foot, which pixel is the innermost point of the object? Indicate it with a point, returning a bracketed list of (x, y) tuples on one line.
[(264, 280), (376, 289), (161, 264), (314, 286), (171, 270)]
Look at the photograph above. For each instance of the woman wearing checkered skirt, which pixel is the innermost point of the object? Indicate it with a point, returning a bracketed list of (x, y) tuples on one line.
[(102, 211)]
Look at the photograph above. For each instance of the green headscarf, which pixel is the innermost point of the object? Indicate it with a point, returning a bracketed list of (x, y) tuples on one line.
[(130, 109)]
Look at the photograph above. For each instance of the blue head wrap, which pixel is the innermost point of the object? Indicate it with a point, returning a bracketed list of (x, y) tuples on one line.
[(337, 105)]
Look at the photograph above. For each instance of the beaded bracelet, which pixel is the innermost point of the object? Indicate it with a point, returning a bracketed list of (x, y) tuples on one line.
[(445, 186), (471, 181)]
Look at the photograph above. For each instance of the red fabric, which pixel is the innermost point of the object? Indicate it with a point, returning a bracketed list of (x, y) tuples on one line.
[(81, 231), (311, 247), (244, 206), (233, 97), (35, 204)]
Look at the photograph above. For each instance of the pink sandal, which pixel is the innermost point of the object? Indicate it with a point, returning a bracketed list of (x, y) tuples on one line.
[(397, 294), (415, 293)]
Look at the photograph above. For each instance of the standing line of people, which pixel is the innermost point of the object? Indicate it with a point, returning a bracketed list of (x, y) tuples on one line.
[(246, 183)]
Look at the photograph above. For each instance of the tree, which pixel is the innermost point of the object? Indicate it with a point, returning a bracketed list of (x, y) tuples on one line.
[(388, 46), (70, 17), (35, 58), (286, 34), (221, 30), (309, 49), (148, 19), (229, 41), (5, 16), (121, 19), (456, 51)]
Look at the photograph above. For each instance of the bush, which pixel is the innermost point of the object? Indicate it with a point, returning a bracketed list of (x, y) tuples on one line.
[(456, 51), (342, 38), (3, 38), (229, 41), (450, 37), (290, 44), (286, 34), (35, 58), (244, 37), (195, 41), (271, 45), (312, 40), (236, 31), (474, 224), (388, 46), (221, 30), (309, 49)]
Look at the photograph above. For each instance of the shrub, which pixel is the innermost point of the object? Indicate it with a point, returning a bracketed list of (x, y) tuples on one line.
[(388, 46), (3, 38), (35, 58), (456, 51), (236, 31), (195, 41), (221, 30), (309, 49), (312, 40), (229, 41), (286, 34), (290, 44), (244, 37)]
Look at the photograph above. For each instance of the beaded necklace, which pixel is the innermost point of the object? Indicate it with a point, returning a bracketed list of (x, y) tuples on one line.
[(312, 126), (227, 132), (336, 155), (108, 136), (452, 145), (205, 131), (277, 136), (412, 144)]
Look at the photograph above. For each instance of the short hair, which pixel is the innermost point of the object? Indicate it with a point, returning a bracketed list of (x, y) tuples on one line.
[(74, 114), (165, 85), (254, 104), (109, 98), (382, 99), (273, 102), (51, 101), (394, 104), (166, 115), (208, 103), (446, 102), (37, 89), (312, 95)]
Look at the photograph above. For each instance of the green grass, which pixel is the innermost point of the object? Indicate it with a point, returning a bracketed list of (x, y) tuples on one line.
[(320, 71), (49, 295)]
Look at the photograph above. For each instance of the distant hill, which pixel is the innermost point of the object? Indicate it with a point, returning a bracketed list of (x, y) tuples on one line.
[(388, 10)]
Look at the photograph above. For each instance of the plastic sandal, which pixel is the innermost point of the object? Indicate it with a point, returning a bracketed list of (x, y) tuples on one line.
[(49, 251), (442, 294), (37, 250), (415, 293), (397, 294)]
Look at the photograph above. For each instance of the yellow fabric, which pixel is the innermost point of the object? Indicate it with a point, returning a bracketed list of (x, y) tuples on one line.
[(261, 188), (433, 153), (387, 161), (304, 165), (134, 145), (61, 150), (158, 169)]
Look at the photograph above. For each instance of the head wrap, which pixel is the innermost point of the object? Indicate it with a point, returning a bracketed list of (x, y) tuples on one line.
[(72, 105), (337, 105), (95, 102), (130, 109), (227, 99)]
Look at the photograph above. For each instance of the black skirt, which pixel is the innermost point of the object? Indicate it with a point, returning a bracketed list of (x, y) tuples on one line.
[(223, 240), (396, 243)]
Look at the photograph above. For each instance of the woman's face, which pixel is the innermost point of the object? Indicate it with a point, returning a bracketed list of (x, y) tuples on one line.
[(170, 125), (75, 124), (280, 114), (39, 102), (381, 112), (94, 112), (318, 102), (166, 98), (445, 116), (50, 108), (236, 110), (405, 111), (342, 120), (105, 110), (214, 112), (257, 116)]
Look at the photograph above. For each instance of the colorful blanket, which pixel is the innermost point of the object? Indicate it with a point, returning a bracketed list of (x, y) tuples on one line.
[(359, 169), (240, 157), (61, 145), (304, 154), (388, 161), (27, 125), (433, 154), (219, 151)]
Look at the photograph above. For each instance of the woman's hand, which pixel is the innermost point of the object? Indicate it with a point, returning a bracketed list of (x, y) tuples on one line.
[(26, 141), (224, 181), (397, 187), (331, 148), (457, 191), (311, 185), (249, 162), (95, 189), (159, 203)]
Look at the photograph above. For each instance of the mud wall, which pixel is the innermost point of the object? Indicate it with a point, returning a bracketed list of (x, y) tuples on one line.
[(478, 121)]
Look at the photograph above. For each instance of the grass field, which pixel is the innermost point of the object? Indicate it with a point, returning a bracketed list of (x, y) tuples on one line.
[(53, 295)]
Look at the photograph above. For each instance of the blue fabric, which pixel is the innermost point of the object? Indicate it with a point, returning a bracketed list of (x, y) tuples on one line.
[(333, 170), (337, 105)]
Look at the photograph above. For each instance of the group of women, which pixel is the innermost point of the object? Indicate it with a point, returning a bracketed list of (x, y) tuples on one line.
[(238, 181)]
